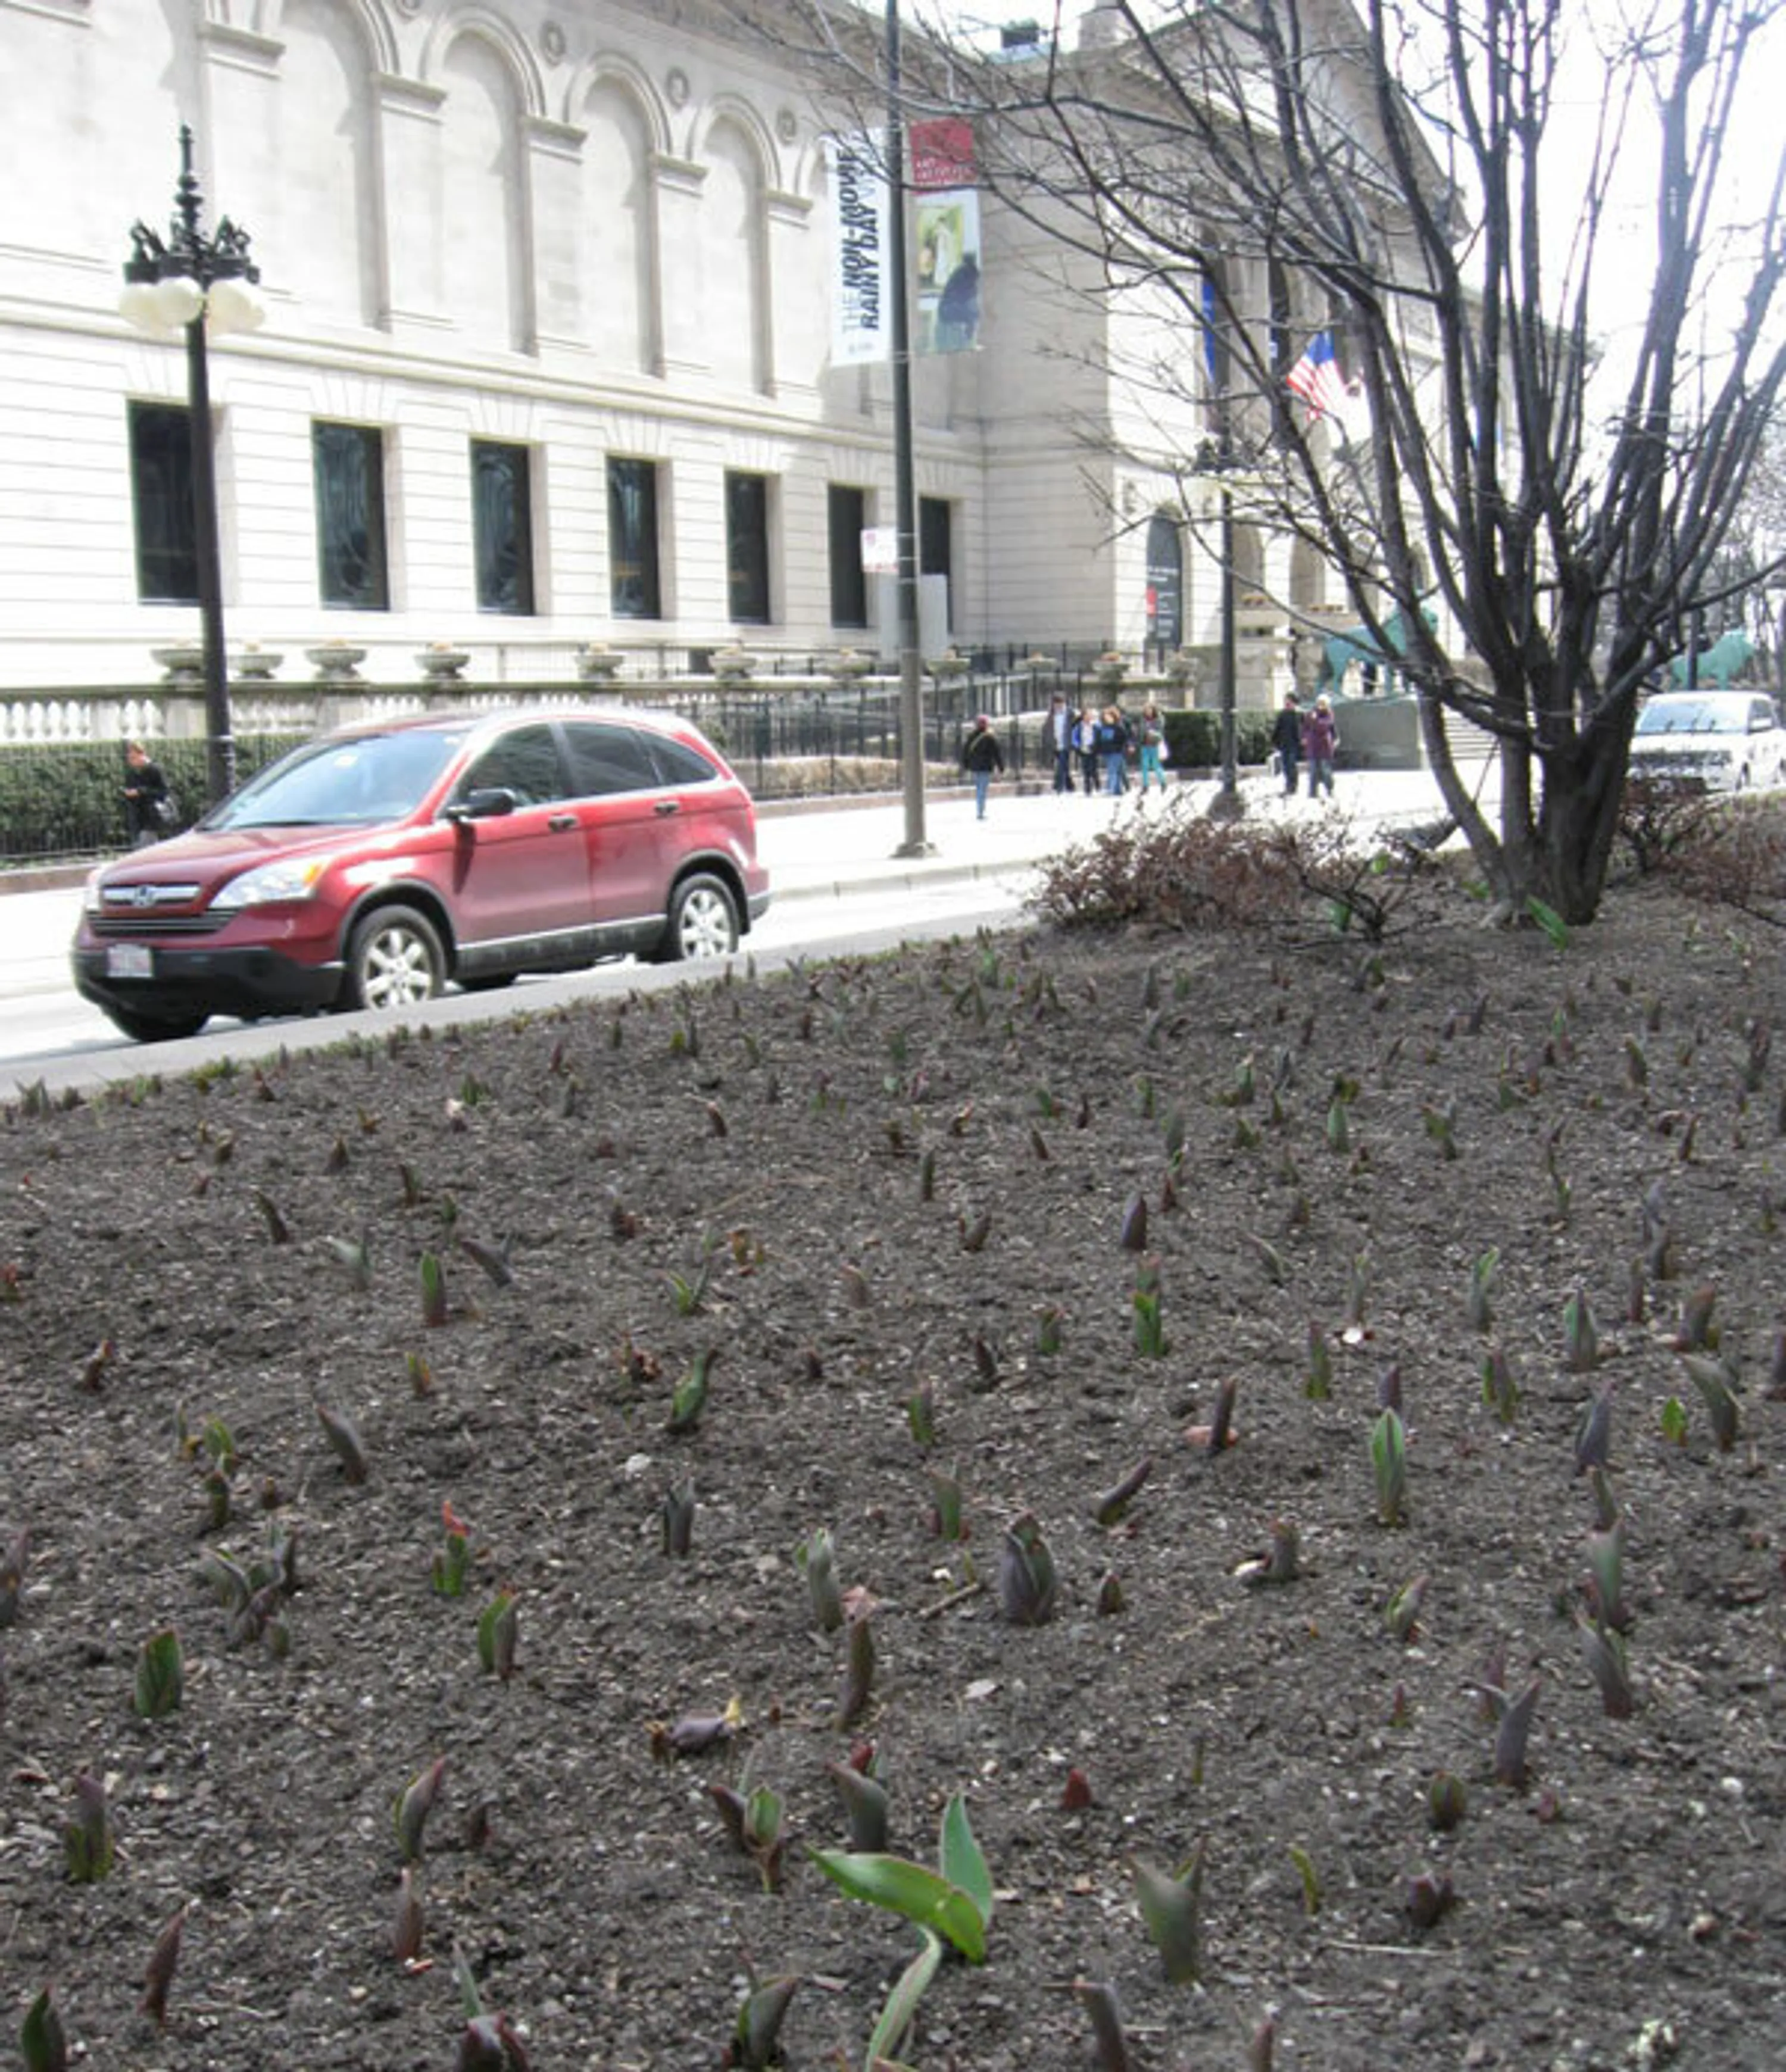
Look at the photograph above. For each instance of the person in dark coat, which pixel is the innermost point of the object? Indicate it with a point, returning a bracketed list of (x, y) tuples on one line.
[(1113, 739), (1061, 727), (1287, 739), (148, 807), (981, 756), (1085, 740)]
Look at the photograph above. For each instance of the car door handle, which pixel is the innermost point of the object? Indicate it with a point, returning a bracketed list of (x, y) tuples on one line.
[(559, 822), (663, 806)]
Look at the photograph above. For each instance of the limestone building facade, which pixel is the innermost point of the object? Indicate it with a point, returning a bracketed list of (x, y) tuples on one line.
[(545, 358)]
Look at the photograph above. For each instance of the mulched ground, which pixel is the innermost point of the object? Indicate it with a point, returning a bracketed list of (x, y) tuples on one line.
[(851, 1184)]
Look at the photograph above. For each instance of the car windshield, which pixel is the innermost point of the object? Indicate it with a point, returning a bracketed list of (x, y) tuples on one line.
[(359, 782), (1691, 715)]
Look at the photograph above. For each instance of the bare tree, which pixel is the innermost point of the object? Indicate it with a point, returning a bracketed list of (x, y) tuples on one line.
[(1755, 557), (1538, 511)]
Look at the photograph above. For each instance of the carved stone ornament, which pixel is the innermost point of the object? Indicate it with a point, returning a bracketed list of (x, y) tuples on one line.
[(675, 85), (787, 125), (552, 43)]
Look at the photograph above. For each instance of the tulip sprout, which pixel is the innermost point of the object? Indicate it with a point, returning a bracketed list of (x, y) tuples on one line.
[(1171, 1906), (1388, 1464), (954, 1901)]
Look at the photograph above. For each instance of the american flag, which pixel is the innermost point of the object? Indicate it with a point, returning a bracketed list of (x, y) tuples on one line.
[(1317, 378)]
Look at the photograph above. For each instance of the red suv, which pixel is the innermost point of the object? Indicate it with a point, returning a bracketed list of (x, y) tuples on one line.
[(369, 867)]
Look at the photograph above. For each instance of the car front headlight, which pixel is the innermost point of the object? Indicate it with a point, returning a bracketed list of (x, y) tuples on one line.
[(272, 884)]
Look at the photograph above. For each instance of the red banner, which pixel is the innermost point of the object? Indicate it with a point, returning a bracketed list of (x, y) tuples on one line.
[(942, 155)]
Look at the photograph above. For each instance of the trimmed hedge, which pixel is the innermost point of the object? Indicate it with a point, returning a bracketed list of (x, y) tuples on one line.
[(1194, 738), (65, 799)]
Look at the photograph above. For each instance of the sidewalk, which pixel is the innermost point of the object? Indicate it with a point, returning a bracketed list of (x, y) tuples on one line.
[(831, 849)]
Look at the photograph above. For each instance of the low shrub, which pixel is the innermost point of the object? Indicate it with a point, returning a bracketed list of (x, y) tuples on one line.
[(65, 799), (1660, 822), (835, 776), (1180, 869), (1193, 739), (1183, 869), (1733, 854)]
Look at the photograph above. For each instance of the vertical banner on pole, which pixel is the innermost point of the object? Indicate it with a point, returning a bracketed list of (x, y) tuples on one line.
[(948, 233), (861, 281)]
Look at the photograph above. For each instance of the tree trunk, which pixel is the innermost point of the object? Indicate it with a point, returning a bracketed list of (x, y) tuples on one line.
[(1583, 791), (1460, 803)]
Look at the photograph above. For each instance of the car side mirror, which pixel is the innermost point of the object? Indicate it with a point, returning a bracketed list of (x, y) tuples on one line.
[(489, 802)]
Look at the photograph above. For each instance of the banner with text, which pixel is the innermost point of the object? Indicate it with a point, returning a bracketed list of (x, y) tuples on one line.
[(861, 298), (947, 231), (942, 155)]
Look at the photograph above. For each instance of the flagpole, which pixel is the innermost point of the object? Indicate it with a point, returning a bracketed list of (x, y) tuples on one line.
[(911, 675)]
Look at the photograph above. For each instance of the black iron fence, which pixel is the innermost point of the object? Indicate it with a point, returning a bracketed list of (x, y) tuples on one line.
[(64, 800)]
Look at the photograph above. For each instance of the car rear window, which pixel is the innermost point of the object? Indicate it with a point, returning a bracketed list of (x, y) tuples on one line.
[(606, 758), (680, 764)]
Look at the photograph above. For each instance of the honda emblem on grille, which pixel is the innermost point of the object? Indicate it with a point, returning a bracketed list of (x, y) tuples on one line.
[(144, 895)]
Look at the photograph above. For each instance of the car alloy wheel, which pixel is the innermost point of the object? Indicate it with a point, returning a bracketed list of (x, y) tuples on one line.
[(704, 922), (395, 961)]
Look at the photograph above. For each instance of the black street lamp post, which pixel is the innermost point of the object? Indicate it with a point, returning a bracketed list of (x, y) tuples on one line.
[(911, 667), (188, 281)]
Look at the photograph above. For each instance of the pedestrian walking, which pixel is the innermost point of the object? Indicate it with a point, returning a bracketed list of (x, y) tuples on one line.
[(1287, 739), (981, 756), (1153, 736), (149, 809), (1085, 740), (1113, 740), (1320, 739), (1061, 724)]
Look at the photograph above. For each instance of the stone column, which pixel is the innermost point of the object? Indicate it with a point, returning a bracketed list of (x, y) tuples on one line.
[(411, 188), (797, 343), (676, 186), (554, 163)]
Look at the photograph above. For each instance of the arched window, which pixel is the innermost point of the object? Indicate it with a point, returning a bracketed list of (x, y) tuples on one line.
[(326, 237), (732, 236), (619, 285), (483, 195), (1217, 314)]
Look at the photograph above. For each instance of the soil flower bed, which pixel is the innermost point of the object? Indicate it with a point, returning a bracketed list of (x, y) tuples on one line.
[(1309, 1412)]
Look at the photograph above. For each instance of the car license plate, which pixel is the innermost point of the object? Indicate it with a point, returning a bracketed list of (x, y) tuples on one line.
[(129, 960)]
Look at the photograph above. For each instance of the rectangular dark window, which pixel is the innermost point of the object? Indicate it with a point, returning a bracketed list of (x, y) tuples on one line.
[(849, 587), (935, 548), (161, 497), (606, 759), (632, 588), (501, 527), (349, 462), (747, 548)]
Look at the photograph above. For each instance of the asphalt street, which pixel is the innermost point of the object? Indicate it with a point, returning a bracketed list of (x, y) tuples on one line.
[(839, 879)]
